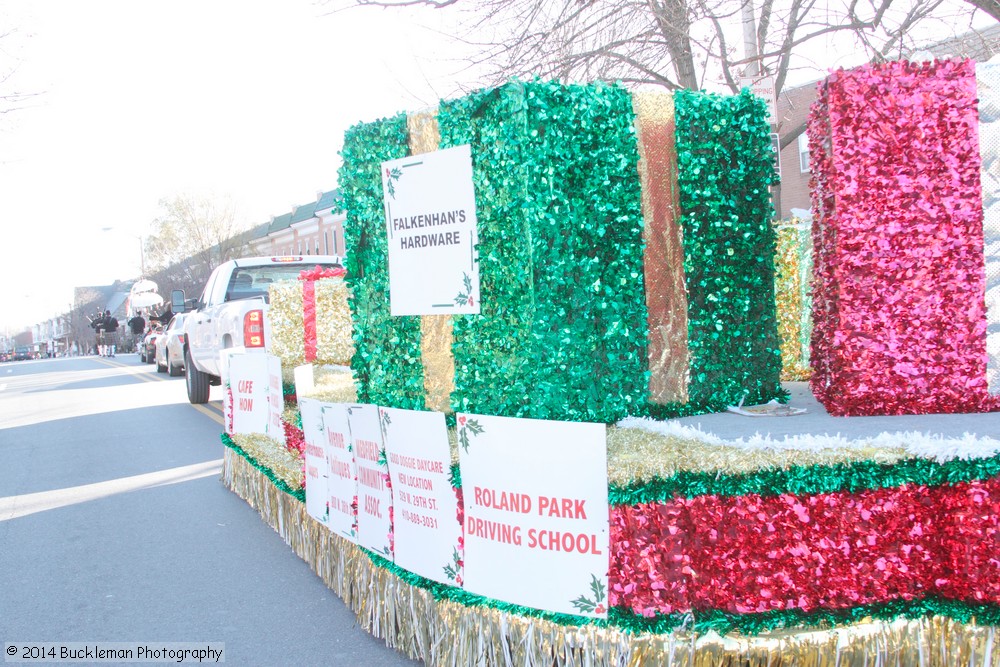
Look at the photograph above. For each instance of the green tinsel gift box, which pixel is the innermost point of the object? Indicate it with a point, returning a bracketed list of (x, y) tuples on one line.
[(625, 253)]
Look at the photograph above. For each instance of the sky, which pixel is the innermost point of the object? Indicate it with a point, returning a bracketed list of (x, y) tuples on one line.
[(135, 102), (141, 101)]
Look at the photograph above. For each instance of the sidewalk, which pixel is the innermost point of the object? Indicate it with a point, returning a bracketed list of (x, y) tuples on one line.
[(816, 421)]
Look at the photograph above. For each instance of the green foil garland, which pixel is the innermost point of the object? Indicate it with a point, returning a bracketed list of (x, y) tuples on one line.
[(563, 330), (386, 360), (298, 494), (725, 166), (807, 480)]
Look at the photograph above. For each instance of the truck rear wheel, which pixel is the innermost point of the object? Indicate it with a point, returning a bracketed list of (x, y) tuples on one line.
[(197, 382)]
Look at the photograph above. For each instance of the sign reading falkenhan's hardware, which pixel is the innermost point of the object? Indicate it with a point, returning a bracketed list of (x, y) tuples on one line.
[(430, 218)]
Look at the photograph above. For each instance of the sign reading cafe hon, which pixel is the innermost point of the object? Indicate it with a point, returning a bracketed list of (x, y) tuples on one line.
[(430, 219)]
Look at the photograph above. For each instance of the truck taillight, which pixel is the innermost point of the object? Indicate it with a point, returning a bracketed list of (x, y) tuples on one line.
[(253, 329)]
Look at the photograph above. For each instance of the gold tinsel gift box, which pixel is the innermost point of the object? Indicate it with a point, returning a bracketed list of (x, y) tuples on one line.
[(311, 322)]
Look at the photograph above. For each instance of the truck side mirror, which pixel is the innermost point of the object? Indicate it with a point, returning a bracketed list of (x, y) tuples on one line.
[(177, 303)]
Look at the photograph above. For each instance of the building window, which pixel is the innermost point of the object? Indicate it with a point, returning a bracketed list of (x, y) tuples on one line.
[(804, 153)]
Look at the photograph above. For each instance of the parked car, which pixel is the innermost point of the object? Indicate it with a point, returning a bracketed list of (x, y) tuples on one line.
[(23, 352), (170, 347), (147, 349)]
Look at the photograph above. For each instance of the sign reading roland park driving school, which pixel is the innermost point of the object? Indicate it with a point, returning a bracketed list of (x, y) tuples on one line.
[(430, 220), (535, 496)]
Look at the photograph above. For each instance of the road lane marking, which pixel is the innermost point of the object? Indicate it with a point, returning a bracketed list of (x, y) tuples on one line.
[(213, 409), (14, 507), (141, 373), (215, 416)]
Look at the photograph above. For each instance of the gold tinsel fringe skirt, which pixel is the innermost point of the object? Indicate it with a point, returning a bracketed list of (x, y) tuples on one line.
[(442, 632)]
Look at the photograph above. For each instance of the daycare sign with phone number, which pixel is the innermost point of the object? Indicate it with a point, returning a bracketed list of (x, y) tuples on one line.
[(430, 218)]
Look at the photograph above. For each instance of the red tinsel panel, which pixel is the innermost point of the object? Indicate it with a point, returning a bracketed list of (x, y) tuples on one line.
[(747, 554), (899, 294)]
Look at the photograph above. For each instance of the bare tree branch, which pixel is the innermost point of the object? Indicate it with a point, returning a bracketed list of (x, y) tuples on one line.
[(436, 4), (670, 43)]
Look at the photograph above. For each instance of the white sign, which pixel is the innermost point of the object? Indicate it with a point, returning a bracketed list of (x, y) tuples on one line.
[(374, 494), (258, 402), (535, 495), (304, 378), (425, 509), (227, 398), (275, 398), (317, 468), (430, 219), (342, 478), (762, 87)]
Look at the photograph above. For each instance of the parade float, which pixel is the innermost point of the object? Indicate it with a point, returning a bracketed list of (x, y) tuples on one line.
[(488, 460)]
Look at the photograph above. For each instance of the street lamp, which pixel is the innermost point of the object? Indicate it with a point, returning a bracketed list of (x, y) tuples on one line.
[(142, 249)]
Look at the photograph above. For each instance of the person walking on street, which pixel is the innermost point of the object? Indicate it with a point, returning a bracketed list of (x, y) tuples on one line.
[(137, 324), (137, 327), (97, 324), (110, 334)]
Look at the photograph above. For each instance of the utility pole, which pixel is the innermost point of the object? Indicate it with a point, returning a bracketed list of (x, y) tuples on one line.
[(750, 50), (752, 76)]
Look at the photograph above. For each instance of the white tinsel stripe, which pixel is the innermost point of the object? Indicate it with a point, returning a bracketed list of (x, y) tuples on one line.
[(923, 445), (988, 92)]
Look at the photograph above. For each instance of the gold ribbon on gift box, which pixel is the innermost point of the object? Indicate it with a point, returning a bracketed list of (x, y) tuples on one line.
[(663, 257), (435, 330), (663, 260)]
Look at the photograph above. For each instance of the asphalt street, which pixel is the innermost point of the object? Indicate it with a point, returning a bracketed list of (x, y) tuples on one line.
[(115, 527)]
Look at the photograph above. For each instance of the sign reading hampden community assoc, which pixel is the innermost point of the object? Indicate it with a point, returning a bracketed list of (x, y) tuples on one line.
[(425, 508), (430, 219), (374, 492), (535, 496)]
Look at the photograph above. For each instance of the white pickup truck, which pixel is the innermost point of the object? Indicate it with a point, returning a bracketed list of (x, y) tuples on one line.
[(232, 312)]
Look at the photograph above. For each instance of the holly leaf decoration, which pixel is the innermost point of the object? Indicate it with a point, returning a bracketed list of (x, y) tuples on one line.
[(384, 423), (464, 298), (597, 586), (393, 176), (584, 604), (469, 426), (474, 426)]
